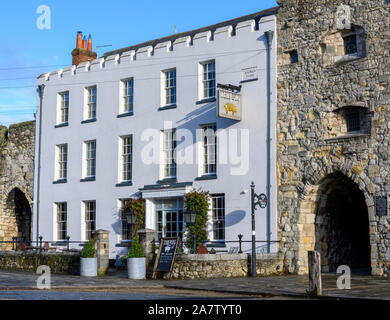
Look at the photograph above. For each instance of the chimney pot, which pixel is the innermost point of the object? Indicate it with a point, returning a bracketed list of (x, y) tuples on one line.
[(90, 43)]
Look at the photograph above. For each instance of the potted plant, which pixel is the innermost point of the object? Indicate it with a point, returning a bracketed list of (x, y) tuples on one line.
[(88, 261), (136, 262)]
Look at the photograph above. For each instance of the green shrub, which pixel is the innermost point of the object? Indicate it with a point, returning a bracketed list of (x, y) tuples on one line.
[(136, 250), (197, 201), (88, 250)]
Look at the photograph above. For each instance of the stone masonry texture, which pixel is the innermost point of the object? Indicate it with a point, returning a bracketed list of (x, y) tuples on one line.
[(16, 181), (315, 149)]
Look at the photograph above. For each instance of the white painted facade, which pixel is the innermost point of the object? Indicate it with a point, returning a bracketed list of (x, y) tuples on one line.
[(233, 53)]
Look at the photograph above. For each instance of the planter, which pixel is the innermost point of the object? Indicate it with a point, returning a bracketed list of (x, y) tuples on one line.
[(136, 268), (88, 267)]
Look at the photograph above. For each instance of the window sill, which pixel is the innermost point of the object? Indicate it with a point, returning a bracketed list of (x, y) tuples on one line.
[(221, 244), (208, 100), (61, 125), (167, 107), (348, 136), (89, 179), (126, 114), (206, 177), (168, 180), (347, 58), (60, 181), (88, 121), (124, 184)]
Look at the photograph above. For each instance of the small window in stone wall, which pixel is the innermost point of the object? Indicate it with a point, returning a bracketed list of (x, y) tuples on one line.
[(353, 121), (294, 56), (343, 46), (350, 44), (347, 121), (290, 57)]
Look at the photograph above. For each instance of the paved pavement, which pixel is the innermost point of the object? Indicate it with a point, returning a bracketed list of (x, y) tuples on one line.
[(362, 287)]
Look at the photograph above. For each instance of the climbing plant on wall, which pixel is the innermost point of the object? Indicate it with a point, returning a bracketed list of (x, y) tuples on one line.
[(198, 202), (137, 206)]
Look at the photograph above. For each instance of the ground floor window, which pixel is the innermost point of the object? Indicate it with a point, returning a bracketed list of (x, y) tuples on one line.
[(62, 221), (126, 227), (170, 218), (218, 216), (90, 218)]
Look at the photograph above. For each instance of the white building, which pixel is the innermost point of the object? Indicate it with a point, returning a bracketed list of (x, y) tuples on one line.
[(106, 131)]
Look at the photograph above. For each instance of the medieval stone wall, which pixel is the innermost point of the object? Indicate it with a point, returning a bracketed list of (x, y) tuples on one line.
[(316, 95), (16, 181)]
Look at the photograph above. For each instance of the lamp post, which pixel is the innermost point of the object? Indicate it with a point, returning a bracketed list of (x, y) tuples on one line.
[(189, 219)]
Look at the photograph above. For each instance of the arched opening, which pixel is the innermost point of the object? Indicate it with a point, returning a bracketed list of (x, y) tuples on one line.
[(342, 225), (19, 211)]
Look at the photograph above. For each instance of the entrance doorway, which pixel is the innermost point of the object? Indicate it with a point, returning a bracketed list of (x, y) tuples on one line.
[(342, 225), (19, 212), (170, 219)]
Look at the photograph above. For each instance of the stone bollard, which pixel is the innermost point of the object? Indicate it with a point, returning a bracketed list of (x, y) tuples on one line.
[(147, 239), (102, 247)]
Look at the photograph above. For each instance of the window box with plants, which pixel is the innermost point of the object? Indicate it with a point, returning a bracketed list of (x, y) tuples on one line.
[(136, 261), (88, 260)]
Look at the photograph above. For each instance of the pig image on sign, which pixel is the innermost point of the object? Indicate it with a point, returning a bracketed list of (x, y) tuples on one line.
[(229, 107), (167, 249)]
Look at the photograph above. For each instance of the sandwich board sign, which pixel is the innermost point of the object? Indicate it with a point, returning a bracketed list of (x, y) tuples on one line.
[(229, 104), (166, 256)]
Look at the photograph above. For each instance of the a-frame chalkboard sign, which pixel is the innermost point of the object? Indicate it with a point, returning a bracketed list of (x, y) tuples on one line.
[(166, 256)]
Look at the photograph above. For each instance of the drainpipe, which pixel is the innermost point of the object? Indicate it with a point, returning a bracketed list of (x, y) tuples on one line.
[(269, 36), (41, 89)]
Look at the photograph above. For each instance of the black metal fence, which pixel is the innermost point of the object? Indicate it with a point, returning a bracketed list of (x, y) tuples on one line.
[(20, 244)]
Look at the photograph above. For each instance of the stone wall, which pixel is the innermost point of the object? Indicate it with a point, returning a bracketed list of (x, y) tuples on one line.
[(16, 181), (314, 96), (201, 266), (62, 263)]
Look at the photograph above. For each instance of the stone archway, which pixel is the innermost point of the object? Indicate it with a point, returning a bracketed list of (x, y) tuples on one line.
[(342, 225), (335, 220), (17, 217)]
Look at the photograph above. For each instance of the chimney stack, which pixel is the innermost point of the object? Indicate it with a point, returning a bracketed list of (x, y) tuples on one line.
[(83, 51)]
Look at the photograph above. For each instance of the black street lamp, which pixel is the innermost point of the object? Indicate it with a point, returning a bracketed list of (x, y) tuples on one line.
[(190, 219), (131, 217)]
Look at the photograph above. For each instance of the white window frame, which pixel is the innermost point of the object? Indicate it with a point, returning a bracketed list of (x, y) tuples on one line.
[(90, 111), (123, 153), (204, 80), (207, 161), (123, 221), (168, 85), (85, 221), (125, 95), (61, 166), (63, 108), (88, 160), (212, 216), (59, 223), (168, 154)]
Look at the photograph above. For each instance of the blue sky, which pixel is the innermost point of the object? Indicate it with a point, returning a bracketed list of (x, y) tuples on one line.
[(26, 51)]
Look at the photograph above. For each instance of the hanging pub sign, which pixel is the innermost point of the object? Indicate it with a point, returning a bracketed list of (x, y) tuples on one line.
[(166, 256), (380, 205), (229, 104)]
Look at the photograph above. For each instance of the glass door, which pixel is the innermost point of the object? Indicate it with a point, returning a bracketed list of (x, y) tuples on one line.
[(170, 218)]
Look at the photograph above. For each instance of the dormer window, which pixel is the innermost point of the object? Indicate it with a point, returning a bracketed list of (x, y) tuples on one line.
[(350, 44)]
